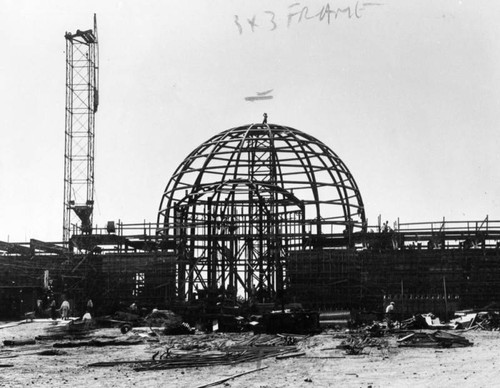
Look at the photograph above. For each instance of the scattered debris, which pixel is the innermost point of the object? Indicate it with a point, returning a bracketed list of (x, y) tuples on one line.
[(290, 321), (355, 344), (19, 342), (272, 339), (171, 322), (201, 359), (425, 321), (164, 321), (210, 350), (480, 320), (52, 352), (437, 339), (97, 343), (72, 328)]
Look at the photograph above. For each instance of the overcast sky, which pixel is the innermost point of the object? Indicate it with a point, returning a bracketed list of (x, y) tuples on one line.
[(407, 93)]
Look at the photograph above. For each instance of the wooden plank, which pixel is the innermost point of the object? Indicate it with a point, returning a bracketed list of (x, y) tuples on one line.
[(230, 378), (406, 337), (290, 355)]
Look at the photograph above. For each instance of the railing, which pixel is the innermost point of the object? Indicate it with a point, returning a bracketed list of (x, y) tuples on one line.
[(448, 226), (443, 234), (127, 230)]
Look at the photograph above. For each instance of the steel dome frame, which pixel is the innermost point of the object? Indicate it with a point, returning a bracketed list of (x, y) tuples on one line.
[(242, 200)]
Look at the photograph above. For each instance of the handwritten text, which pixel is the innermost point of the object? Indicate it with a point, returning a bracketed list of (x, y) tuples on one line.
[(297, 13)]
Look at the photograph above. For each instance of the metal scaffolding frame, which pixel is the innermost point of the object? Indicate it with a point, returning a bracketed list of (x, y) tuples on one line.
[(410, 264), (82, 80), (242, 200)]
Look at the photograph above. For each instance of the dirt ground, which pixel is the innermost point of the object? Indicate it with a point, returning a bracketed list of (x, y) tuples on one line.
[(322, 366)]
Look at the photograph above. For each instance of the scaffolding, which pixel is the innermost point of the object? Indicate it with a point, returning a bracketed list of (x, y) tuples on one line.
[(424, 266), (82, 100)]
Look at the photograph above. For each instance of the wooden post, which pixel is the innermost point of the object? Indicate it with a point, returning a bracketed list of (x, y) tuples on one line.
[(445, 300), (402, 301)]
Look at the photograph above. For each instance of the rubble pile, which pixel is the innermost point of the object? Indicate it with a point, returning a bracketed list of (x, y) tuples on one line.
[(71, 329), (171, 323), (437, 339), (425, 321), (480, 320), (466, 320), (356, 344)]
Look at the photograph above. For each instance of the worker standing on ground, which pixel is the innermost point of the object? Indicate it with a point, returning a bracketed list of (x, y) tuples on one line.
[(90, 306), (64, 310), (389, 313), (53, 309)]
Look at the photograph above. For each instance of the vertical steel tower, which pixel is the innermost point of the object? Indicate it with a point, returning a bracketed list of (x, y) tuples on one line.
[(82, 80)]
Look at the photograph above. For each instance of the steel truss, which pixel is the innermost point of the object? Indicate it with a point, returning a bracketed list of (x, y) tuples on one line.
[(81, 105), (240, 202)]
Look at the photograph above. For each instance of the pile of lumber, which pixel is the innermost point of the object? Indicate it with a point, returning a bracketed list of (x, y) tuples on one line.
[(221, 341), (211, 350), (198, 359), (271, 340)]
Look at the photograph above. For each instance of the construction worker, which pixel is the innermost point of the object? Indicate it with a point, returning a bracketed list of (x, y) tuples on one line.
[(53, 309), (389, 313), (90, 306), (64, 310)]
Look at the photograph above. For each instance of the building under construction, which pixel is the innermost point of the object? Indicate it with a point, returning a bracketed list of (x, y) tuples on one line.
[(261, 213)]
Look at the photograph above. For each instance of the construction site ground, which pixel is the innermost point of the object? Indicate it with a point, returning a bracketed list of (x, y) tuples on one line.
[(323, 365)]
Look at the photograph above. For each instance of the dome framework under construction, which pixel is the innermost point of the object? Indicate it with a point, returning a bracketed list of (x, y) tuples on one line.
[(243, 200)]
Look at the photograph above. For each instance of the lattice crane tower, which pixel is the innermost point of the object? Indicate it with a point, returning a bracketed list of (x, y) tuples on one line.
[(82, 99)]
